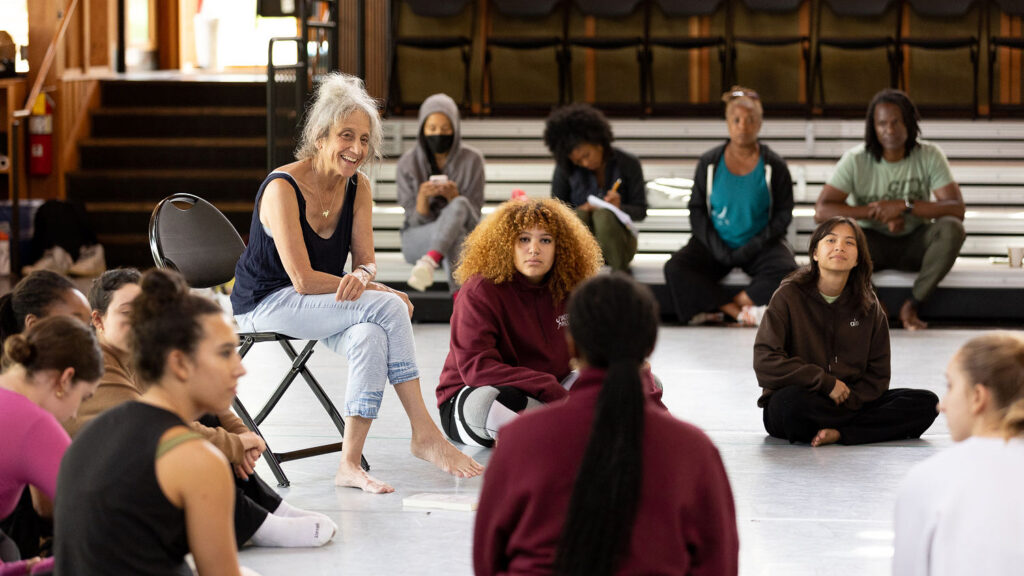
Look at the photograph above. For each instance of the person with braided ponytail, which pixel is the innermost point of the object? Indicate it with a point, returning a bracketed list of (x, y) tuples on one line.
[(138, 488), (962, 511), (641, 493), (51, 368)]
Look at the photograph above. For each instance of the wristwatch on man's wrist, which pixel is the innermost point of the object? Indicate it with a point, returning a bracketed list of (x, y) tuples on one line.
[(910, 206)]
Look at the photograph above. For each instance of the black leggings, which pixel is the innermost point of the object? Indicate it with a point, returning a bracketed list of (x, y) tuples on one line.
[(796, 414), (693, 276), (254, 499)]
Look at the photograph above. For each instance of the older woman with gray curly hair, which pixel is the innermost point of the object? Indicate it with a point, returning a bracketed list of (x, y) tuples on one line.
[(309, 216)]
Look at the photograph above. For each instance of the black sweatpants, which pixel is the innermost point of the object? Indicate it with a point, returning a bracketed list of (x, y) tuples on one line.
[(796, 414), (254, 498), (32, 534), (693, 276)]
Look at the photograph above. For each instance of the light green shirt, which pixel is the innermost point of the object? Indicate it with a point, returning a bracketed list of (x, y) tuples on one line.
[(828, 299), (914, 178)]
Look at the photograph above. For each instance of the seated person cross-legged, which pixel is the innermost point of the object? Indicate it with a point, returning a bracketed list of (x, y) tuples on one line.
[(887, 184), (50, 369), (507, 348), (606, 482), (308, 217), (586, 164), (138, 489), (440, 185), (821, 354), (962, 511), (740, 208), (42, 294), (262, 518)]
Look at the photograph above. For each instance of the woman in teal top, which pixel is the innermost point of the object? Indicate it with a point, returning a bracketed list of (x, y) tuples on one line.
[(740, 207)]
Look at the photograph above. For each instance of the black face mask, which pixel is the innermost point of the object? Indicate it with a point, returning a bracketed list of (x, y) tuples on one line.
[(440, 143)]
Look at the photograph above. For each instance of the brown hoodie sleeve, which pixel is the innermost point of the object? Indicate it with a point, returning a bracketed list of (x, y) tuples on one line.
[(875, 380), (107, 395), (774, 365), (227, 442)]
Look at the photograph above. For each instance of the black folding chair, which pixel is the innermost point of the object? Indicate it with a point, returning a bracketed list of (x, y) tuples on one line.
[(439, 15), (1002, 45), (190, 235), (952, 15), (663, 12), (505, 21), (880, 22)]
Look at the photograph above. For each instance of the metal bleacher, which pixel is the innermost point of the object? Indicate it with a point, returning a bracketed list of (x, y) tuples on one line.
[(987, 158)]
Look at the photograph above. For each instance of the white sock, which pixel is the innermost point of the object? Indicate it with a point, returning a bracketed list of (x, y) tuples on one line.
[(301, 532), (286, 510)]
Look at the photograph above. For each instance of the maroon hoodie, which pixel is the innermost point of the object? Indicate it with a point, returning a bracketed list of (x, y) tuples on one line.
[(511, 333), (685, 520)]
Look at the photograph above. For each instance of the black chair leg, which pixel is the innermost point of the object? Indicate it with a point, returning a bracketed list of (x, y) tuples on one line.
[(319, 392), (268, 454), (298, 367)]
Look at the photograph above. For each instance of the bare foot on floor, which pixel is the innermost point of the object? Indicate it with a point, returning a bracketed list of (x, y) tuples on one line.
[(356, 477), (825, 436), (441, 453), (909, 318)]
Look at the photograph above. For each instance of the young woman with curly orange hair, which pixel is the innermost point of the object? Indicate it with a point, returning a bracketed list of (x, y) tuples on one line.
[(508, 351)]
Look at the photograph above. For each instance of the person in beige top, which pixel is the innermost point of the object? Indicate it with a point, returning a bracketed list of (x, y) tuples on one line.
[(261, 516)]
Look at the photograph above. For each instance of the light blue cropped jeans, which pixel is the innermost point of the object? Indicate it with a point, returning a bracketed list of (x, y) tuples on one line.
[(374, 333)]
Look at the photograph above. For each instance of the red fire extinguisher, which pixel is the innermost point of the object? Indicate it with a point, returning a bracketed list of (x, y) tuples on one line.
[(40, 137)]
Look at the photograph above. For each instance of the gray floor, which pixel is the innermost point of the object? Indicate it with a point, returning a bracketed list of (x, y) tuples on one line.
[(800, 511)]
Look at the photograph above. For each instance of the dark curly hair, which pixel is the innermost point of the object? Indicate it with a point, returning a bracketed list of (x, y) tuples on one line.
[(569, 126), (911, 118)]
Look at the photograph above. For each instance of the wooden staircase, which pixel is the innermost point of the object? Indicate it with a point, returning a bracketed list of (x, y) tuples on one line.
[(150, 139)]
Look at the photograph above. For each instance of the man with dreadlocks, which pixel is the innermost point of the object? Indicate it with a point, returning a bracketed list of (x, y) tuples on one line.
[(887, 184)]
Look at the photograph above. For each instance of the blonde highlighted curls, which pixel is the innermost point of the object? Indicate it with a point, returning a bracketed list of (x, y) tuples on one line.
[(489, 249), (996, 360)]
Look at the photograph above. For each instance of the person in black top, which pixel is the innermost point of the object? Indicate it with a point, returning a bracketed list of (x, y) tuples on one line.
[(740, 207), (141, 489), (588, 165)]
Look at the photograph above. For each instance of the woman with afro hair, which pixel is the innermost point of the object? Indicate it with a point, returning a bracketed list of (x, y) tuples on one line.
[(586, 164), (508, 351)]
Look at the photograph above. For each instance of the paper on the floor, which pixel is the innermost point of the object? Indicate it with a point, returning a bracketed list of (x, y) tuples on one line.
[(466, 502)]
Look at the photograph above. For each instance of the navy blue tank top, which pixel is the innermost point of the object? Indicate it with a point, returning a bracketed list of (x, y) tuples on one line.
[(259, 271)]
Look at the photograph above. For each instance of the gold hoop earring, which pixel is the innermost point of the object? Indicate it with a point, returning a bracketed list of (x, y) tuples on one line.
[(60, 394)]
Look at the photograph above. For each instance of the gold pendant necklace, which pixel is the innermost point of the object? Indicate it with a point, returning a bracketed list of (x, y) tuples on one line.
[(326, 212)]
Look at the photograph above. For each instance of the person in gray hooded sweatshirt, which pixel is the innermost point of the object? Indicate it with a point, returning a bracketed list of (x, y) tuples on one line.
[(441, 187)]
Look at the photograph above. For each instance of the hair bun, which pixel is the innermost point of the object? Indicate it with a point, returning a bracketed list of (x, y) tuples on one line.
[(161, 288), (18, 349)]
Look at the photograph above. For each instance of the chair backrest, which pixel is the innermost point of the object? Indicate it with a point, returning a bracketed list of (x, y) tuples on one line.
[(526, 8), (941, 8), (859, 8), (1011, 7), (684, 8), (436, 8), (772, 5), (607, 8), (190, 235)]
